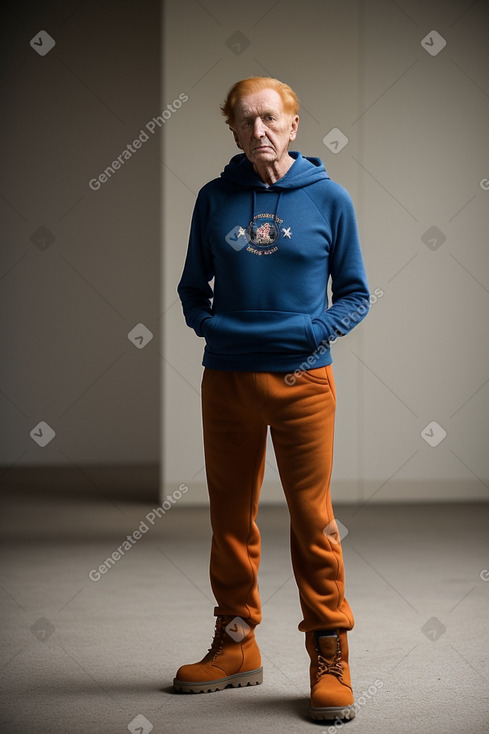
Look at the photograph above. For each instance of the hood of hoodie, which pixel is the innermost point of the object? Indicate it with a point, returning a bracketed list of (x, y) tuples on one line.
[(303, 172)]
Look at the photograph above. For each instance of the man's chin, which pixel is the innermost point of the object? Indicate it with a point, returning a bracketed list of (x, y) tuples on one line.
[(262, 153)]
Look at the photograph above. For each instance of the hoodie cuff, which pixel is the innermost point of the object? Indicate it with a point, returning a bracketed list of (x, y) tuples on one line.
[(199, 327)]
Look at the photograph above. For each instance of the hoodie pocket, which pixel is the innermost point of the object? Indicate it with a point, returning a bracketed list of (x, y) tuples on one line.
[(260, 332)]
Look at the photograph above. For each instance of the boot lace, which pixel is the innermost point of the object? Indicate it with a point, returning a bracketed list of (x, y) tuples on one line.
[(218, 641), (332, 667)]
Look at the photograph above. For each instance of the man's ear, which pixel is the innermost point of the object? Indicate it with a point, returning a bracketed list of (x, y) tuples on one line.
[(293, 127), (236, 139)]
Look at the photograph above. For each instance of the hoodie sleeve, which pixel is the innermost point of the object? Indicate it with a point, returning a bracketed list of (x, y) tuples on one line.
[(350, 300), (194, 290)]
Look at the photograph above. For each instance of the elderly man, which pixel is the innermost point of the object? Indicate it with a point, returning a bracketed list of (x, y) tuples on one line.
[(271, 231)]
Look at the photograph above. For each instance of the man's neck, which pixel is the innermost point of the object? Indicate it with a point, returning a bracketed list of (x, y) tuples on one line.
[(272, 172)]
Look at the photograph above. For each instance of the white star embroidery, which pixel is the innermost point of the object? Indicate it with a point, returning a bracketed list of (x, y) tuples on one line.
[(241, 232), (286, 232)]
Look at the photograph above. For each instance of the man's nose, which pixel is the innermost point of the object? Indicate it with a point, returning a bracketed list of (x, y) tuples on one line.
[(259, 128)]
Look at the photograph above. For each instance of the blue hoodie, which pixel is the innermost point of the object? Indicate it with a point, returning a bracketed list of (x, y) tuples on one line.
[(271, 250)]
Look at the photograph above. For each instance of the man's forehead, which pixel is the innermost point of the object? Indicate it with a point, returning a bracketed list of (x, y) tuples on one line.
[(267, 100)]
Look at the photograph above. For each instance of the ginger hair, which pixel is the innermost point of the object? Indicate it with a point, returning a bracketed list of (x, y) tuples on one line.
[(254, 84)]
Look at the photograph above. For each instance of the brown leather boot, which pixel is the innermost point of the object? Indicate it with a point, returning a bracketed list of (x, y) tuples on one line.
[(331, 692), (233, 660)]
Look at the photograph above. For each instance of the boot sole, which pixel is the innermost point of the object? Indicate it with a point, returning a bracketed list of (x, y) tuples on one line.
[(239, 680), (328, 713)]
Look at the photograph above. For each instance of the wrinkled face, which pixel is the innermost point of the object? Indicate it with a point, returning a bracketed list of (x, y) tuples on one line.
[(262, 129)]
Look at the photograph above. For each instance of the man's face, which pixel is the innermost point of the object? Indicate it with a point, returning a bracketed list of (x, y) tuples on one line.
[(262, 129)]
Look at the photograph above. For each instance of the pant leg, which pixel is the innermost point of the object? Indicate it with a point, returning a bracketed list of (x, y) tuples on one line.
[(234, 447), (302, 429)]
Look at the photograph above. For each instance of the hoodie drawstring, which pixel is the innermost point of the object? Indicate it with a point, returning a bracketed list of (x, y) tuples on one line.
[(253, 206)]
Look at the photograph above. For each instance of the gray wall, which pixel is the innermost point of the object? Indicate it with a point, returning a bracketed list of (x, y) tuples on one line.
[(417, 126), (80, 267), (416, 155)]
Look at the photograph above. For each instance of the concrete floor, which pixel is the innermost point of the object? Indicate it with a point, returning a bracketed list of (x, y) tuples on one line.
[(82, 655)]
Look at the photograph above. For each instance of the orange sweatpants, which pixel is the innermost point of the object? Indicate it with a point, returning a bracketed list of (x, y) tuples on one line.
[(237, 408)]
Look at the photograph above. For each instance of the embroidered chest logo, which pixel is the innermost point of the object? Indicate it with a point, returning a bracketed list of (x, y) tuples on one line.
[(261, 235)]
